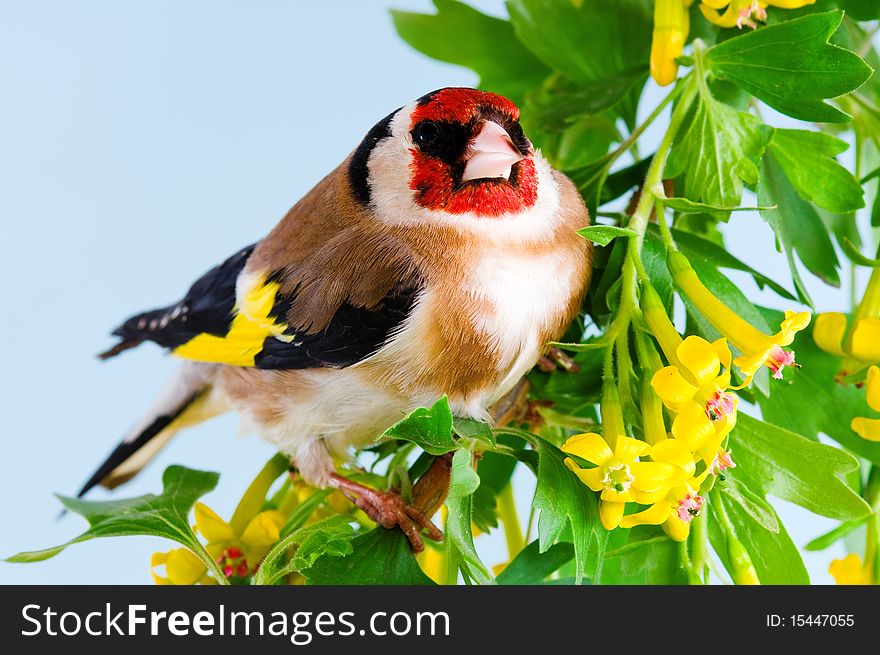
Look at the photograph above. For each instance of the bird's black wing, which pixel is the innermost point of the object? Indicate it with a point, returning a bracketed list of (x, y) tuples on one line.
[(211, 324)]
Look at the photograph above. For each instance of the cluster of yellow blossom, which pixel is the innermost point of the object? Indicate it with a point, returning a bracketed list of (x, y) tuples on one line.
[(665, 472), (672, 25)]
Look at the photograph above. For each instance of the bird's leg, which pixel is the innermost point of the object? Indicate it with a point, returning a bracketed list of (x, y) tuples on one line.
[(389, 509), (430, 491)]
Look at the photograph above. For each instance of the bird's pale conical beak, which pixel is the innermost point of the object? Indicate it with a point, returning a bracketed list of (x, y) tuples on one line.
[(491, 154)]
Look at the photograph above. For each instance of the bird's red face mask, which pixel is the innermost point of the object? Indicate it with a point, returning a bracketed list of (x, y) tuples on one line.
[(469, 154)]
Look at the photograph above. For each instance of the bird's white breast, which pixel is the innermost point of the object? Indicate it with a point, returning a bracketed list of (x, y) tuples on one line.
[(527, 293)]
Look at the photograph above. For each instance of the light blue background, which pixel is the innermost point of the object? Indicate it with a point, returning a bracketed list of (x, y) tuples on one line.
[(141, 143)]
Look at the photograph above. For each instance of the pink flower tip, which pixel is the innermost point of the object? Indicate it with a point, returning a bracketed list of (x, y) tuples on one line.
[(689, 507), (721, 404), (778, 360), (745, 15), (723, 461)]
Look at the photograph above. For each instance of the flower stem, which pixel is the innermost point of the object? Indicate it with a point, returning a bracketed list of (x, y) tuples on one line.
[(611, 410), (652, 189), (653, 424), (507, 513), (742, 569), (665, 233), (699, 547), (624, 369), (633, 136)]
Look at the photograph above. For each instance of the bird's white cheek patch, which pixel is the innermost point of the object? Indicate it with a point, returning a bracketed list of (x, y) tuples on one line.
[(394, 204)]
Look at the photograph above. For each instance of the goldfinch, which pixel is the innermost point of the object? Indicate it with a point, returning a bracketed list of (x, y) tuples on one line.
[(439, 258)]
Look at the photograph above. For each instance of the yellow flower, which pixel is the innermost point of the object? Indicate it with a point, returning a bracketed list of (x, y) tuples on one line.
[(758, 348), (238, 554), (869, 428), (739, 13), (696, 390), (862, 345), (619, 476), (694, 386), (675, 507), (849, 571), (182, 567), (671, 27), (858, 342)]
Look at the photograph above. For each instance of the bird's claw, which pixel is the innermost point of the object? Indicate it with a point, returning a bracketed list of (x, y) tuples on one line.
[(389, 509)]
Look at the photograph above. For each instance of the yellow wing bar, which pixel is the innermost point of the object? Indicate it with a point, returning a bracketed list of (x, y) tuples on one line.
[(250, 326)]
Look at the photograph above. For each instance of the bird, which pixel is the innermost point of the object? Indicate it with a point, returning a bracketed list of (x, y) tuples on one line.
[(439, 258)]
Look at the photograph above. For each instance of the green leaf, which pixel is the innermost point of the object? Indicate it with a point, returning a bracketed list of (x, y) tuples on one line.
[(775, 557), (565, 503), (655, 561), (572, 394), (808, 159), (792, 67), (844, 228), (331, 537), (598, 186), (429, 428), (716, 149), (830, 538), (590, 181), (794, 468), (624, 180), (860, 9), (469, 429), (460, 541), (809, 403), (798, 228), (559, 102), (166, 515), (605, 234), (685, 206), (464, 479), (379, 557), (756, 506), (592, 43), (531, 566), (459, 34), (576, 144), (459, 536)]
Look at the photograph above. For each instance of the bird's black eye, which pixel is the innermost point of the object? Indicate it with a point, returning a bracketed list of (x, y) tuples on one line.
[(426, 133)]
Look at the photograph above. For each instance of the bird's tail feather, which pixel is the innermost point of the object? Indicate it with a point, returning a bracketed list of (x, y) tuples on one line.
[(184, 402)]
